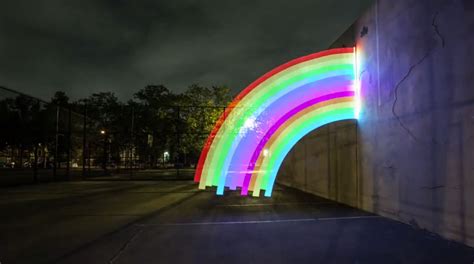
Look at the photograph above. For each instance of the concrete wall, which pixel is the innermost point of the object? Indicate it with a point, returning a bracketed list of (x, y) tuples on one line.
[(411, 156), (325, 163)]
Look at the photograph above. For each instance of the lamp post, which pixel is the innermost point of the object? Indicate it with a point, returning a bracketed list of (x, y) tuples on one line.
[(104, 161)]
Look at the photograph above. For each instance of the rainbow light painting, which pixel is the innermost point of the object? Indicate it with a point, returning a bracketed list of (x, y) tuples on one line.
[(261, 125)]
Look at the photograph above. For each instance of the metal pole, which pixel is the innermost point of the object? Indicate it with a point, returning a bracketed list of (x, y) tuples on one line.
[(84, 141), (132, 143), (56, 145), (69, 139), (104, 161), (178, 123), (88, 159), (35, 166)]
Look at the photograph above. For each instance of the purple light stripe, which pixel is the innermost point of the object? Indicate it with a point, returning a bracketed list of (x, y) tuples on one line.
[(280, 122)]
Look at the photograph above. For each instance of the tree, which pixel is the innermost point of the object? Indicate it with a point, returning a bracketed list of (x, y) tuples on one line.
[(60, 98), (202, 106), (104, 113), (155, 117)]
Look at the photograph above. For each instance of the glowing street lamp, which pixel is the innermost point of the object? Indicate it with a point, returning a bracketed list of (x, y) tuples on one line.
[(166, 157)]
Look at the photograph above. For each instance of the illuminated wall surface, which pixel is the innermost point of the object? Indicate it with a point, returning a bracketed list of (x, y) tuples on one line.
[(262, 124)]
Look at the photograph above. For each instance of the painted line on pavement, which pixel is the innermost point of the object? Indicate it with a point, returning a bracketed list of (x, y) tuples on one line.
[(233, 222), (270, 204), (262, 221), (348, 217)]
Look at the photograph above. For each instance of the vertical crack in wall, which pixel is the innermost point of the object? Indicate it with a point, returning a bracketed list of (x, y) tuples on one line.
[(394, 112), (436, 29), (434, 25)]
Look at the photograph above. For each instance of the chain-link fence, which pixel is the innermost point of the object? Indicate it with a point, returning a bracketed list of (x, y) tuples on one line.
[(42, 141)]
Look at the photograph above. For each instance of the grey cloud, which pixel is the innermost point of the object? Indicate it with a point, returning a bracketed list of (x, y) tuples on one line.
[(111, 45)]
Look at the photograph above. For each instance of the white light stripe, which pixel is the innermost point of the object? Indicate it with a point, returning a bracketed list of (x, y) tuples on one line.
[(270, 204), (348, 217), (263, 221), (235, 222)]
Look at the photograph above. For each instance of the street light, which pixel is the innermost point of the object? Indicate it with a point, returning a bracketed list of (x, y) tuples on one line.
[(166, 156), (104, 161)]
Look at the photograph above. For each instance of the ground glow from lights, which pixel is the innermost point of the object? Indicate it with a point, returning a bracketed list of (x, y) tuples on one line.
[(258, 129)]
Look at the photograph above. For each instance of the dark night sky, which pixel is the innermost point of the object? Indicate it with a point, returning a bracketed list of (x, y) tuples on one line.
[(89, 46)]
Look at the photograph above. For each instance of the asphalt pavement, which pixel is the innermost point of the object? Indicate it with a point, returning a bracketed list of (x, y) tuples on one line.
[(173, 222)]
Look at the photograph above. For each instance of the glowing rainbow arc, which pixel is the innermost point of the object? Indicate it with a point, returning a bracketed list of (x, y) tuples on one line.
[(261, 125)]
